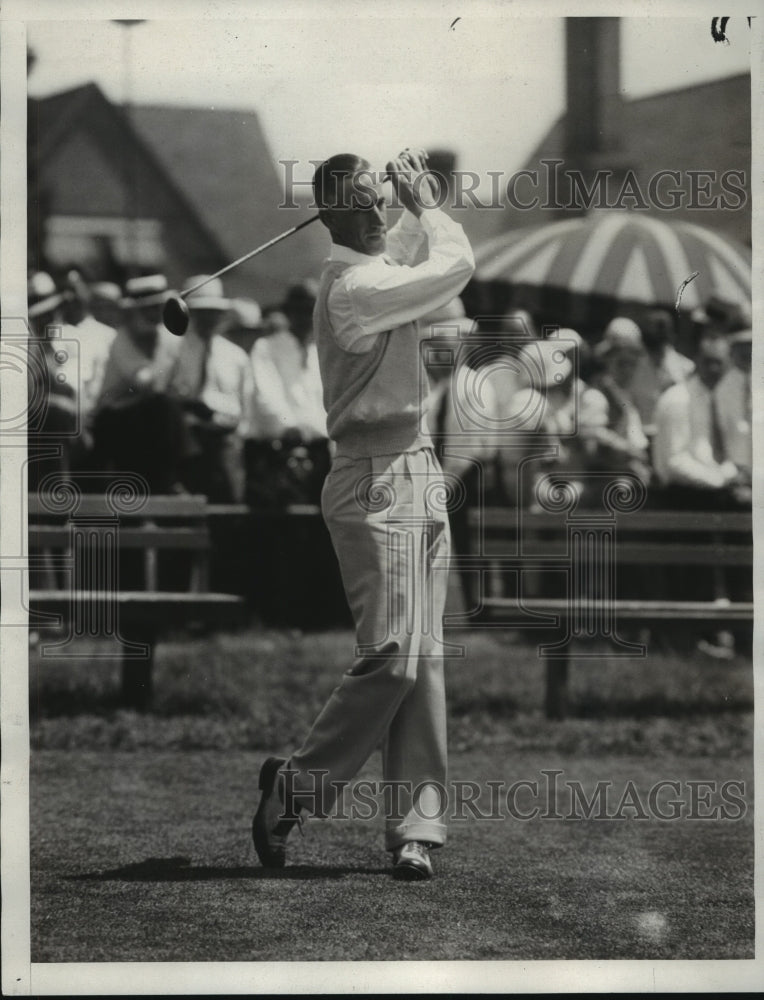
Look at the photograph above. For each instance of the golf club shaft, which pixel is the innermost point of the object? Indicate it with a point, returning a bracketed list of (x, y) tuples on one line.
[(248, 256)]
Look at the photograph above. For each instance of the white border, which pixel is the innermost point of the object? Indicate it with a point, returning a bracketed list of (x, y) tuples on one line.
[(22, 978)]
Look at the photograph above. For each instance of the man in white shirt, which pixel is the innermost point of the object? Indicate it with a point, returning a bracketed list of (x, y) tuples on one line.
[(660, 366), (137, 426), (213, 380), (287, 398), (697, 473), (689, 452), (734, 403), (94, 341), (51, 384), (611, 431), (379, 503), (287, 454)]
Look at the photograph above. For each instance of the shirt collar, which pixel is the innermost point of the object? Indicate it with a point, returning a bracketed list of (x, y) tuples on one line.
[(348, 256)]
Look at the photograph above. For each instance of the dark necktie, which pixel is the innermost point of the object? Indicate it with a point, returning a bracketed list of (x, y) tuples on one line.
[(717, 441)]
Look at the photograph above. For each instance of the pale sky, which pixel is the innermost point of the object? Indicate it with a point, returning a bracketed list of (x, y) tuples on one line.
[(489, 87)]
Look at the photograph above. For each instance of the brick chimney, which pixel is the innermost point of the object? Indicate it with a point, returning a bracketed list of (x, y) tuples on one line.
[(593, 71)]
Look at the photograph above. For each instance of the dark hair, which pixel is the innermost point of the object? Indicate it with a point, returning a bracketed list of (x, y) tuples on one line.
[(328, 178)]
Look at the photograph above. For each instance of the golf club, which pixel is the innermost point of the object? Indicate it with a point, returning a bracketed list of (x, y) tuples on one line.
[(175, 315)]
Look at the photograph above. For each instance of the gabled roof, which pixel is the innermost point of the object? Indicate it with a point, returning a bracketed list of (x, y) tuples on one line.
[(59, 115), (215, 163), (222, 162), (705, 126)]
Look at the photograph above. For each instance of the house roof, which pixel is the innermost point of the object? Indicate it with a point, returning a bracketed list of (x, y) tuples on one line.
[(222, 162), (218, 165), (60, 115), (703, 126)]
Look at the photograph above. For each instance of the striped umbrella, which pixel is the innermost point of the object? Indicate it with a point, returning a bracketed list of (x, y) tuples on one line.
[(622, 256)]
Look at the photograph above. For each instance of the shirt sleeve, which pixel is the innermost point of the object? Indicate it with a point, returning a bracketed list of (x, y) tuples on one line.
[(406, 240), (369, 299), (673, 458), (269, 412)]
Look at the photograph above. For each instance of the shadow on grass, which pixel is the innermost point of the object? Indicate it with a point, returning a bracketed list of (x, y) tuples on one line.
[(179, 869)]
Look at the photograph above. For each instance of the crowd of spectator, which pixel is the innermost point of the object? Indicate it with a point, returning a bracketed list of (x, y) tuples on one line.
[(523, 411), (629, 403), (233, 409)]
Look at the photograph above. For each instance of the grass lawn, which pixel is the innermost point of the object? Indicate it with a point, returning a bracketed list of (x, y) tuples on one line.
[(140, 823)]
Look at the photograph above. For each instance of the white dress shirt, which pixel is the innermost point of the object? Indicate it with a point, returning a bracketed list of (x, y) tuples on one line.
[(95, 340), (129, 370), (370, 299), (683, 452), (286, 388), (733, 400), (218, 373), (650, 380)]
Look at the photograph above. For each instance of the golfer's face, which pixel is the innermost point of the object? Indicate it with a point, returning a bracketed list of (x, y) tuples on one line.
[(361, 220)]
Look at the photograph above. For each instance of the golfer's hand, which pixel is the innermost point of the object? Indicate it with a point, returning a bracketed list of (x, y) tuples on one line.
[(416, 188)]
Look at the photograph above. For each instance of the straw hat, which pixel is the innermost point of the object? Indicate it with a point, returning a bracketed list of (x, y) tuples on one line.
[(106, 291), (741, 337), (150, 290), (42, 294), (211, 296)]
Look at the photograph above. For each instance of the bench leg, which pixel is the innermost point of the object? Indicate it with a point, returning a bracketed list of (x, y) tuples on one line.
[(557, 688), (137, 680)]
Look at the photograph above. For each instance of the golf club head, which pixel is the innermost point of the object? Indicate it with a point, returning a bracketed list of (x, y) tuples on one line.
[(175, 315)]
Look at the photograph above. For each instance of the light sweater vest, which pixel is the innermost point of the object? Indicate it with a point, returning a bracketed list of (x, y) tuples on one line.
[(373, 400)]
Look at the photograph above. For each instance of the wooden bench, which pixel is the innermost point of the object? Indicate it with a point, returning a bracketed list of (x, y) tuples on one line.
[(592, 553), (76, 541), (530, 545)]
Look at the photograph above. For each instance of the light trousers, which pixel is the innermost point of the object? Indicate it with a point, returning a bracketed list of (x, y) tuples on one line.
[(388, 523)]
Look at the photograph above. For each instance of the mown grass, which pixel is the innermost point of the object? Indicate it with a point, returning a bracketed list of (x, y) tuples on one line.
[(146, 856), (261, 689), (140, 839)]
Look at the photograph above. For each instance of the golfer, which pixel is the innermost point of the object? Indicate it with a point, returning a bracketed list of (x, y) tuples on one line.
[(380, 503)]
